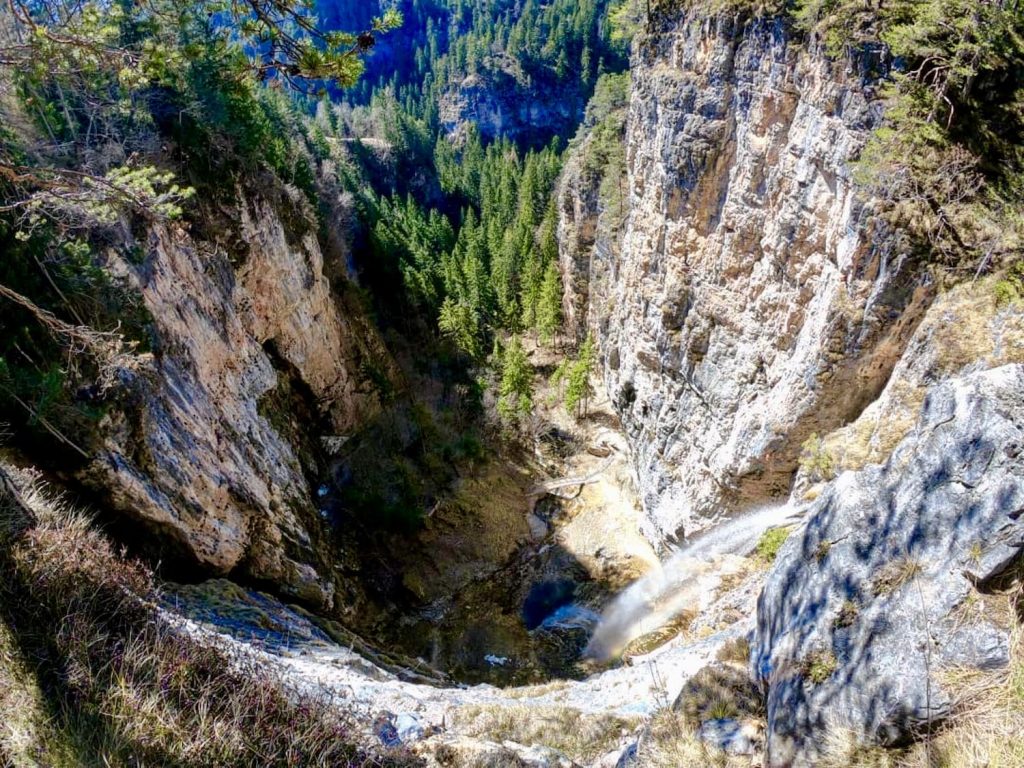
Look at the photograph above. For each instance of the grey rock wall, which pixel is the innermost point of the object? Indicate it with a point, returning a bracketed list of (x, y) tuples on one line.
[(202, 451), (754, 300)]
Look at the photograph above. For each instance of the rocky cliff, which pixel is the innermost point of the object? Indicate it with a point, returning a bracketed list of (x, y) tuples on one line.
[(257, 357), (499, 102), (755, 299)]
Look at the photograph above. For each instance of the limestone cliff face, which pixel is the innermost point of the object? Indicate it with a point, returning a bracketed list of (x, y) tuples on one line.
[(754, 301), (205, 451), (498, 102), (592, 209)]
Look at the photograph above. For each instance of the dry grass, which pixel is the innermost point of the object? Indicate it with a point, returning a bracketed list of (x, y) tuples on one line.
[(842, 750), (669, 742), (896, 575), (819, 666), (581, 737), (736, 650), (986, 729), (716, 692), (117, 681)]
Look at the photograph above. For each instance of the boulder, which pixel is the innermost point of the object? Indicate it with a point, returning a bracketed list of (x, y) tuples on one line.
[(869, 601)]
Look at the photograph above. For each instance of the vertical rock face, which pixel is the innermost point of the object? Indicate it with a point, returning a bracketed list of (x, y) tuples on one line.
[(754, 301), (592, 207), (204, 451)]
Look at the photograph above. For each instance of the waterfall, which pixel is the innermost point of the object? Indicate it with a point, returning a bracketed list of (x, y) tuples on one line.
[(686, 576)]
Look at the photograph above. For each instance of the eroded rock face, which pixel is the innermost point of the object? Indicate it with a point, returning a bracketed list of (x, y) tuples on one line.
[(754, 300), (592, 208), (868, 604), (964, 330), (498, 102), (205, 451)]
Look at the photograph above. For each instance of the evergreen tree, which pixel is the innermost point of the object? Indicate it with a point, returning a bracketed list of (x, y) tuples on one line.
[(515, 392), (460, 322), (578, 389), (549, 304)]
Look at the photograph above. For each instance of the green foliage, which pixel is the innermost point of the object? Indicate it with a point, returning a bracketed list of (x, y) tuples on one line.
[(847, 616), (605, 150), (950, 159), (549, 303), (515, 391), (770, 543), (578, 389), (1010, 290), (460, 322), (401, 464), (816, 460), (117, 101), (415, 241), (819, 666)]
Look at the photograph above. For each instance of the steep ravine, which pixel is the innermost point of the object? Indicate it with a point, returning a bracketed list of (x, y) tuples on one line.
[(744, 295)]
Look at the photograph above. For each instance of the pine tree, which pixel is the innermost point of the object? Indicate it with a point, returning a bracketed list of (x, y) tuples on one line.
[(515, 401), (578, 389), (460, 322), (549, 304)]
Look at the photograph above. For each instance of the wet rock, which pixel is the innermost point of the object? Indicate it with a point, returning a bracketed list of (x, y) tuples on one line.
[(871, 599), (538, 528)]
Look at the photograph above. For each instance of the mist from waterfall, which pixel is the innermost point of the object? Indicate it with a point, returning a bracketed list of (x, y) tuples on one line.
[(683, 579)]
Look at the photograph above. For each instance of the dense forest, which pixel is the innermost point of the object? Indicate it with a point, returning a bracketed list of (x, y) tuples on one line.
[(154, 113)]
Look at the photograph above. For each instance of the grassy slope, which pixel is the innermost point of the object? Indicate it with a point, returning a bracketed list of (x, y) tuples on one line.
[(96, 676)]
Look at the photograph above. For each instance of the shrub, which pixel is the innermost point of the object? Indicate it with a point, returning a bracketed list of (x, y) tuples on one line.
[(816, 460), (1010, 289), (771, 542), (848, 613), (896, 575), (819, 666)]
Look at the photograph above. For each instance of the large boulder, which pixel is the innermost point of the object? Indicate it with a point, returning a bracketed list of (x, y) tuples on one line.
[(875, 597)]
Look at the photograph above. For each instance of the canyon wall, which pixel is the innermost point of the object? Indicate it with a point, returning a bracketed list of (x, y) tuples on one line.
[(755, 298), (257, 357)]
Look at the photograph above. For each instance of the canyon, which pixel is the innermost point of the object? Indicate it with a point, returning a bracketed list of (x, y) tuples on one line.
[(774, 358)]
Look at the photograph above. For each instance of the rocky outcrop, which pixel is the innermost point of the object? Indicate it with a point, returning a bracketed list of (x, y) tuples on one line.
[(964, 330), (756, 301), (499, 101), (868, 609), (206, 450)]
